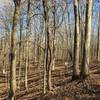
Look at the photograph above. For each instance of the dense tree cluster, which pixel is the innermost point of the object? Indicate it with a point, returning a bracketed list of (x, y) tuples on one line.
[(42, 32)]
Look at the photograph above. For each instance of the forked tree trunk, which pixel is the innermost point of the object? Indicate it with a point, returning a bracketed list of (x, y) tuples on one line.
[(76, 42), (86, 48), (13, 51)]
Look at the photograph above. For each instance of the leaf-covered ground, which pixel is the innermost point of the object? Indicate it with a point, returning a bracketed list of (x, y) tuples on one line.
[(63, 88)]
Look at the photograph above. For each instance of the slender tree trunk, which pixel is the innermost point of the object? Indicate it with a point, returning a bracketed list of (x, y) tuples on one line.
[(20, 51), (82, 28), (98, 40), (86, 48), (37, 54), (47, 67), (76, 42), (27, 42), (53, 41), (69, 36), (35, 41), (3, 52), (13, 51), (46, 48)]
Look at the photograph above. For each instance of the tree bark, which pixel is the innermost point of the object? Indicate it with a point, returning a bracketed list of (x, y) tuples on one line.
[(98, 40), (86, 48), (69, 36), (13, 50), (54, 29), (47, 66), (20, 49), (27, 41), (76, 43)]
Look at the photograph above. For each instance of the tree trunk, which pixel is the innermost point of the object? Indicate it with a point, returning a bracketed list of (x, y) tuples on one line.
[(20, 51), (69, 36), (47, 66), (53, 41), (35, 41), (13, 50), (46, 50), (82, 27), (27, 42), (98, 40), (76, 43), (86, 48)]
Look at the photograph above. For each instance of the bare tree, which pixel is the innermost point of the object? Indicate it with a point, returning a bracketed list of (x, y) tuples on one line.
[(20, 49), (27, 42), (86, 48), (54, 30), (69, 35), (13, 50), (47, 63), (76, 42), (98, 40)]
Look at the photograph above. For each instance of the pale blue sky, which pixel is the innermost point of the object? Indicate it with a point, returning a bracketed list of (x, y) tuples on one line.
[(4, 2)]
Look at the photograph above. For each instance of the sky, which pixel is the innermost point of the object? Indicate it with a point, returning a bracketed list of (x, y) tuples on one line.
[(4, 2), (96, 5)]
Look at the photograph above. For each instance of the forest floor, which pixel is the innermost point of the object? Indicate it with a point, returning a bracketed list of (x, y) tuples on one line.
[(63, 87)]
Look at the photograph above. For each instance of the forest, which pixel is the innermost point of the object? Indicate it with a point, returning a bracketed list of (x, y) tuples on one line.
[(49, 49)]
